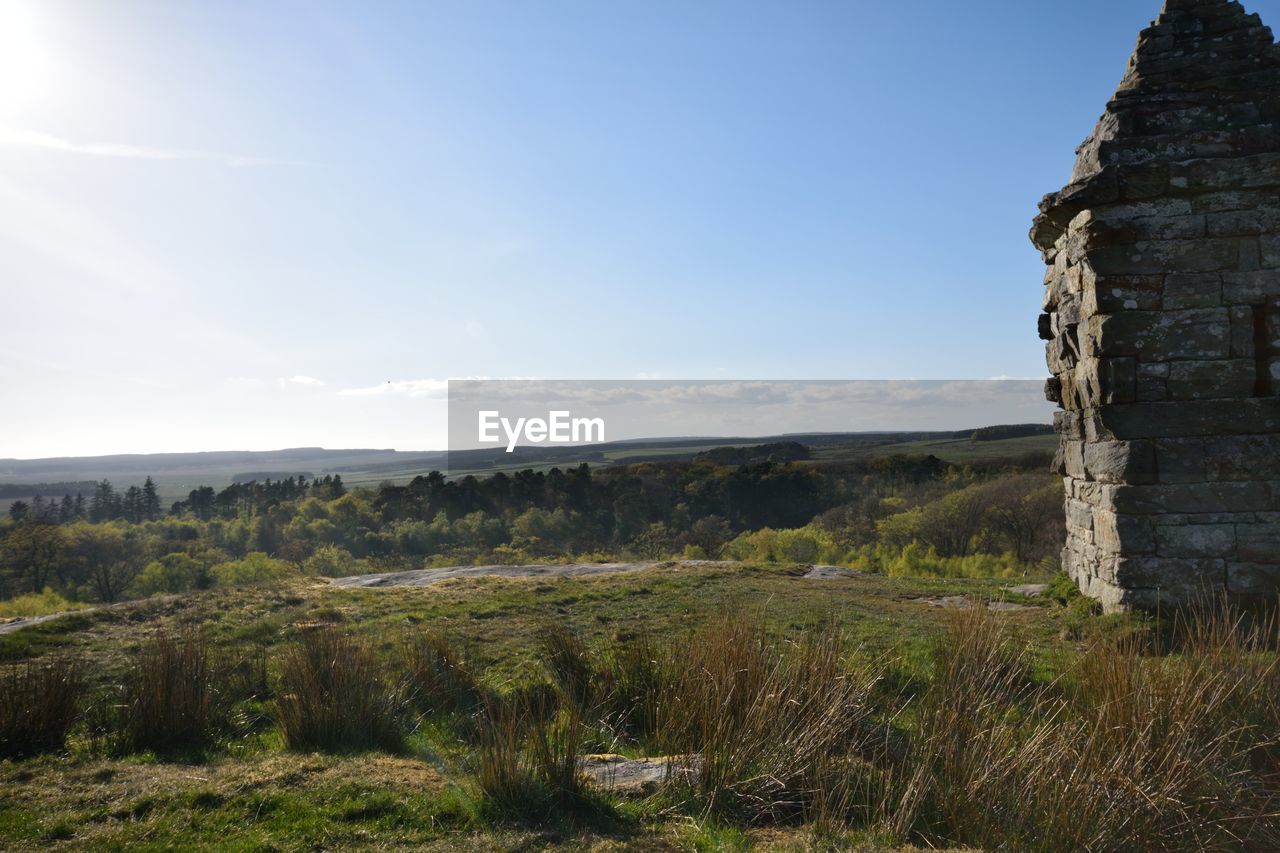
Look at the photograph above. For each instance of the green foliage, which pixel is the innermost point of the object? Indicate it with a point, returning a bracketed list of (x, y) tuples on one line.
[(37, 604), (917, 561), (333, 561), (255, 568), (172, 573), (909, 515)]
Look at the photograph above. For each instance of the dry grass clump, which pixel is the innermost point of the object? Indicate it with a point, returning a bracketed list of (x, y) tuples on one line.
[(168, 703), (527, 760), (761, 720), (439, 677), (769, 721), (38, 705), (334, 695), (1143, 751)]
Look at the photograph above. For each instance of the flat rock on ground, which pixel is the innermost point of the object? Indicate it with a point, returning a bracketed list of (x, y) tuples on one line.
[(12, 625), (423, 577), (21, 622), (624, 775), (963, 601), (827, 573)]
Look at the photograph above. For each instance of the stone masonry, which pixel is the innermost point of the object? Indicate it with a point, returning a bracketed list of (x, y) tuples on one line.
[(1162, 316)]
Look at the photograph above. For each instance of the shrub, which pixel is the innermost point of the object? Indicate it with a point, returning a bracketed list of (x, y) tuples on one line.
[(168, 703), (334, 695), (332, 561), (37, 604), (256, 567), (38, 704), (172, 573)]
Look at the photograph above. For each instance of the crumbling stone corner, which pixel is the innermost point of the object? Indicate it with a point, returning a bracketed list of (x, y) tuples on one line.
[(1162, 317)]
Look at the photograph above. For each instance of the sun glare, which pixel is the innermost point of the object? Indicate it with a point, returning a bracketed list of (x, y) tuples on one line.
[(24, 66)]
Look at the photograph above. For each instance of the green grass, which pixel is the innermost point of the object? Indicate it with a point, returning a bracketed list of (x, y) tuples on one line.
[(955, 450), (251, 793)]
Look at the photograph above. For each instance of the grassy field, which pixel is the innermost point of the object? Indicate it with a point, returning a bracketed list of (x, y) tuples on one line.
[(988, 703), (249, 792)]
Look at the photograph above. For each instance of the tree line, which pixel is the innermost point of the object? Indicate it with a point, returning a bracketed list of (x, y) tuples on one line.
[(894, 513)]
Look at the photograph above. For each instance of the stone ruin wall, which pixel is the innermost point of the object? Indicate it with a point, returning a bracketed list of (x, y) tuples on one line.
[(1162, 316)]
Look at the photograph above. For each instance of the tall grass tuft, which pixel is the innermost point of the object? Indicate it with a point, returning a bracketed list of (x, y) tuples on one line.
[(168, 703), (440, 678), (570, 663), (334, 695), (38, 705), (1142, 751), (633, 676), (527, 760), (764, 724)]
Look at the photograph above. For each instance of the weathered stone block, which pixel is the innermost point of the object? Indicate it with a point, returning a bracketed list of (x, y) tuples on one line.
[(1241, 332), (1181, 460), (1195, 290), (1250, 288), (1270, 247), (1163, 256), (1197, 334), (1115, 533), (1262, 170), (1242, 457), (1073, 459), (1233, 201), (1209, 380), (1193, 498), (1080, 518), (1258, 543), (1151, 390), (1253, 579), (1187, 418), (1120, 461), (1196, 540), (1060, 355), (1113, 293), (1239, 223), (1109, 380), (1068, 424), (1173, 573)]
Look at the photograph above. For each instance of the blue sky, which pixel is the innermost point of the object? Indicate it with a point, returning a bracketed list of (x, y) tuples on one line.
[(256, 224)]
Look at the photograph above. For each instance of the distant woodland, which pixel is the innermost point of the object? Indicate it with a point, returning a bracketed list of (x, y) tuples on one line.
[(900, 514)]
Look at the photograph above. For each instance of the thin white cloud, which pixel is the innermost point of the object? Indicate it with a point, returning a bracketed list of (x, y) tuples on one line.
[(49, 142), (304, 380), (432, 388), (435, 388)]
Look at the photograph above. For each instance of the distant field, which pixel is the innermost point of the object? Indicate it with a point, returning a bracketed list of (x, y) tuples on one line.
[(176, 474), (963, 450)]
